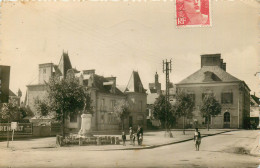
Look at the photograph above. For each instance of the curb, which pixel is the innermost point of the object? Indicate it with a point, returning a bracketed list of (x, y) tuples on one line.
[(166, 144)]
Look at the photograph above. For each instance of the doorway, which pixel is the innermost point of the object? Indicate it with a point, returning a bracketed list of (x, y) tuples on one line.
[(226, 120)]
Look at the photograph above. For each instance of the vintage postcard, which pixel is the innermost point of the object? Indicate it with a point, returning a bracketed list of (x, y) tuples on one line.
[(129, 83)]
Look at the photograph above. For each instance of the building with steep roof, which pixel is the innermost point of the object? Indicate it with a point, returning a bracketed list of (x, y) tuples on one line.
[(137, 98), (231, 92), (104, 95), (46, 71)]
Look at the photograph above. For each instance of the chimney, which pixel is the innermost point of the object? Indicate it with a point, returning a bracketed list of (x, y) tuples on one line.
[(221, 63), (211, 60), (89, 72), (224, 66), (113, 81)]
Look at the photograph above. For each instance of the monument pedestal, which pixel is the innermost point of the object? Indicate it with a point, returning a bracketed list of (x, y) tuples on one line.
[(85, 129)]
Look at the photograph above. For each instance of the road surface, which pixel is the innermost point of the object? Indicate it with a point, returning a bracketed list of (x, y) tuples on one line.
[(224, 150)]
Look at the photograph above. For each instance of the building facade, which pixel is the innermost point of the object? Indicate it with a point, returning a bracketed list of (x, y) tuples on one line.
[(103, 92), (231, 92), (137, 98)]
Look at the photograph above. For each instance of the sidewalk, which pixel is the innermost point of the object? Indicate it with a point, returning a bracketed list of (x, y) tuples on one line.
[(152, 139)]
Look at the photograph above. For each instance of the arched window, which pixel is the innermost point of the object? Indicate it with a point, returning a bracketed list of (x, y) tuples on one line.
[(226, 117)]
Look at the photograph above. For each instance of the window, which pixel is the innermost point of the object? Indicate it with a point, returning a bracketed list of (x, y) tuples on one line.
[(205, 94), (227, 98), (73, 117), (112, 104), (102, 107), (44, 70)]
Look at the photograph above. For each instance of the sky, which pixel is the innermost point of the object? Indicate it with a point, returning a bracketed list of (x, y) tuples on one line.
[(116, 38)]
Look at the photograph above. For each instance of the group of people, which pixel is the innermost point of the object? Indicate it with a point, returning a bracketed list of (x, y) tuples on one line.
[(134, 136), (139, 137)]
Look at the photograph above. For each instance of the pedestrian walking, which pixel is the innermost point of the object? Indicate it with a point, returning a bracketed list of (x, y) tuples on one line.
[(123, 138), (197, 139), (131, 135)]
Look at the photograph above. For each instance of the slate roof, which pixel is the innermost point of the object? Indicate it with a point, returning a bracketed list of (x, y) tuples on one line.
[(209, 74), (64, 64), (98, 84), (134, 83)]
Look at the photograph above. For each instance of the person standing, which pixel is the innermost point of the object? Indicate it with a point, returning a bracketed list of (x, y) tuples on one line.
[(139, 135), (131, 135), (123, 138), (197, 139)]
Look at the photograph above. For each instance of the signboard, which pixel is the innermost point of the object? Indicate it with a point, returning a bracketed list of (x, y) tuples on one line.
[(4, 83), (22, 129), (14, 126)]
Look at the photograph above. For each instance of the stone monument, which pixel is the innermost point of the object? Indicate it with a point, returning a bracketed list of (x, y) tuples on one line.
[(85, 129)]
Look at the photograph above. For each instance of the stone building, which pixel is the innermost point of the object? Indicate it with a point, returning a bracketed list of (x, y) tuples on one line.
[(231, 92), (46, 71), (104, 95), (137, 98)]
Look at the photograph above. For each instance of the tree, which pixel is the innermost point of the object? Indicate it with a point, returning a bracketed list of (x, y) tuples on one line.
[(10, 112), (210, 107), (121, 111), (184, 106), (164, 112), (67, 97), (42, 107)]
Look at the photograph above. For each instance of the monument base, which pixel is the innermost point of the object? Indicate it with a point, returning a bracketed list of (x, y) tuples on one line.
[(85, 133)]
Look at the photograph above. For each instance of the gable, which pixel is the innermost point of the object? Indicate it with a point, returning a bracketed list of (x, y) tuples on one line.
[(209, 74)]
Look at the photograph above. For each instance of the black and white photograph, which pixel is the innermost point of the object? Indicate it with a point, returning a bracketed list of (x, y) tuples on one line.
[(129, 84)]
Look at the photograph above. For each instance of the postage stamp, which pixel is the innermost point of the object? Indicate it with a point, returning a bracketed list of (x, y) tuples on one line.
[(193, 13)]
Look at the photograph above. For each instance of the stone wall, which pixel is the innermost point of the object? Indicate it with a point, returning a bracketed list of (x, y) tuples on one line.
[(34, 91)]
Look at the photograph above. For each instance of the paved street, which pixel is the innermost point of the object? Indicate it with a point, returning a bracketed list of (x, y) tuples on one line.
[(225, 150)]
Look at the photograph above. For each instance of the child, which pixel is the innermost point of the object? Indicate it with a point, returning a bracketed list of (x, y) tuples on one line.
[(123, 138)]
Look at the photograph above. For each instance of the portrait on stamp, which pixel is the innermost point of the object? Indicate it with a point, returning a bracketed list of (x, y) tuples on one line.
[(193, 13)]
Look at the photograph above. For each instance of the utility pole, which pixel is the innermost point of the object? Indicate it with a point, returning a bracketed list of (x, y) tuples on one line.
[(167, 67)]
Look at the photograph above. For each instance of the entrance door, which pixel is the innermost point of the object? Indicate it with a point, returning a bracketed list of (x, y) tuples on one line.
[(130, 121), (226, 120)]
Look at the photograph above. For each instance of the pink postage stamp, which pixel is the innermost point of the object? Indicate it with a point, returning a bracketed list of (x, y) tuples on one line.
[(193, 13)]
